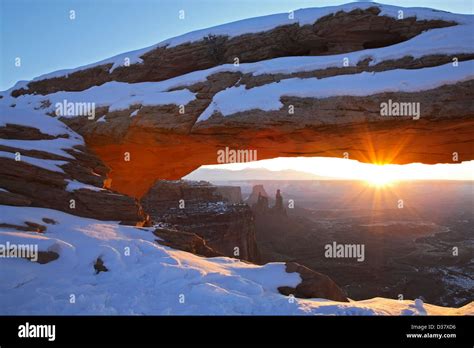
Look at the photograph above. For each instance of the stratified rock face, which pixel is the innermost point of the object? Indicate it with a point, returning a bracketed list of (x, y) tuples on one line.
[(232, 194), (197, 207), (312, 86), (176, 195), (333, 34), (38, 169)]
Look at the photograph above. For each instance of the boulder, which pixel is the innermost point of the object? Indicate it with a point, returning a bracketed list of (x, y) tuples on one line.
[(313, 285), (185, 241)]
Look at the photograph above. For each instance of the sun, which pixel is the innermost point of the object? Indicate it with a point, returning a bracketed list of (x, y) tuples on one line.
[(379, 176), (379, 181)]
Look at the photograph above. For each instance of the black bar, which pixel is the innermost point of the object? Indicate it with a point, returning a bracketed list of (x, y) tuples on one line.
[(259, 330)]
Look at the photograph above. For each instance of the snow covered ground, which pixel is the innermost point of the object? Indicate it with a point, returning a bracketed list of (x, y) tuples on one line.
[(144, 277)]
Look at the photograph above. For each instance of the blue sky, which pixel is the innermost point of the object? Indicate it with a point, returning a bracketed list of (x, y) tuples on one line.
[(41, 33)]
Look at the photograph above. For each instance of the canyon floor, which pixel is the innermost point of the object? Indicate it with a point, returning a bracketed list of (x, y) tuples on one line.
[(408, 251)]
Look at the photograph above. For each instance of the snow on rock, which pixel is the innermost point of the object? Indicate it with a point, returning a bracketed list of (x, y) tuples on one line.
[(115, 95), (62, 142), (53, 146), (51, 165), (65, 138), (152, 279), (73, 185), (261, 24), (27, 116), (120, 95), (267, 97), (445, 41)]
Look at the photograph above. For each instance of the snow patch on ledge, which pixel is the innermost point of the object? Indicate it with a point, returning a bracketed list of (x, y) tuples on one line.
[(267, 97), (28, 117), (115, 95), (63, 144), (51, 165), (74, 185)]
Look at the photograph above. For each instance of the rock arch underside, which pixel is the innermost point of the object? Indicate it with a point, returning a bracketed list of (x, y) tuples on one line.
[(166, 144), (167, 140)]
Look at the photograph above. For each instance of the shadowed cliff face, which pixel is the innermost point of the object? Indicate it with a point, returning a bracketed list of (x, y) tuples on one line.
[(74, 187), (199, 207), (167, 142)]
